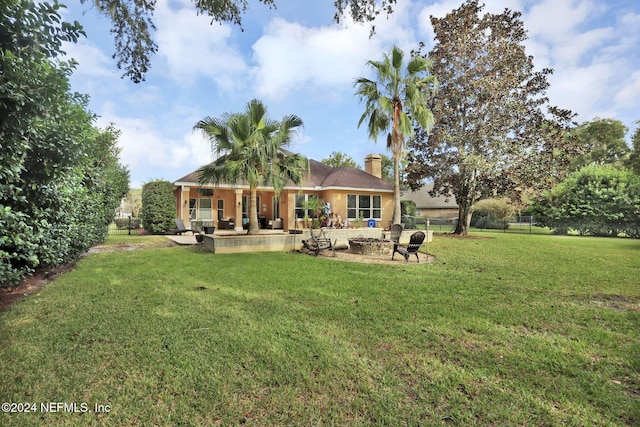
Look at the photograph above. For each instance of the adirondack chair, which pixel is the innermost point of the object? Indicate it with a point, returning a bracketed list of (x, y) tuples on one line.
[(395, 232), (319, 242), (415, 241), (180, 228)]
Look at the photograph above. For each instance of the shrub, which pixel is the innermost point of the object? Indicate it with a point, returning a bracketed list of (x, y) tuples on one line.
[(492, 214), (596, 200), (158, 207), (408, 207)]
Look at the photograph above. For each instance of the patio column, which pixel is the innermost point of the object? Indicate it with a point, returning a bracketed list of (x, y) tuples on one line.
[(184, 205), (238, 206)]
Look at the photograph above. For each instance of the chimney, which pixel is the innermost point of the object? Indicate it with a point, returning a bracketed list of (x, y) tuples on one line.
[(373, 165)]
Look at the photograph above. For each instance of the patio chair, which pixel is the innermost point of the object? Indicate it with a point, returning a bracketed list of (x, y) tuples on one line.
[(395, 232), (319, 242), (180, 228), (412, 248), (275, 224)]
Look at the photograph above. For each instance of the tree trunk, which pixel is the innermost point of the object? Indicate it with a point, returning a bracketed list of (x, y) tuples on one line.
[(397, 213), (254, 227), (464, 219)]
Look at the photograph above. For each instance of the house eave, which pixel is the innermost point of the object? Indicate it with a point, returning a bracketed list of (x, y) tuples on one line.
[(287, 188)]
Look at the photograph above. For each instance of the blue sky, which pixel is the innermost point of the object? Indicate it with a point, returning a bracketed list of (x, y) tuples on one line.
[(298, 61)]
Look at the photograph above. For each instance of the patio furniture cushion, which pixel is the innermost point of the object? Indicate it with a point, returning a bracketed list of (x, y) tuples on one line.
[(275, 224)]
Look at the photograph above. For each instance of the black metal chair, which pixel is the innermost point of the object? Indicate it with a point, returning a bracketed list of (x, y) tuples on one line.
[(180, 228), (412, 248), (395, 232)]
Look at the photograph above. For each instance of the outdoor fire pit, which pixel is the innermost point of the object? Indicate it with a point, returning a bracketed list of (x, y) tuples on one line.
[(370, 246)]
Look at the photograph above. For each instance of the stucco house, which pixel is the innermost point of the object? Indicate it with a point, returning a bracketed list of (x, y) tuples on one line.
[(346, 191), (432, 207)]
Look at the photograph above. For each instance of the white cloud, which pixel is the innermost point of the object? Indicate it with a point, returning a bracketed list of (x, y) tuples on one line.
[(629, 95), (146, 146), (580, 88), (290, 56), (91, 59), (554, 20), (192, 46)]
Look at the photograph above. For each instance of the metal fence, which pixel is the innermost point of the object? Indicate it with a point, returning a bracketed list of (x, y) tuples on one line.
[(126, 226), (517, 224)]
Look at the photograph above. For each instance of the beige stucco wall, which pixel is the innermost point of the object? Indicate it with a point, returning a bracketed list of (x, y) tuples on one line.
[(231, 197)]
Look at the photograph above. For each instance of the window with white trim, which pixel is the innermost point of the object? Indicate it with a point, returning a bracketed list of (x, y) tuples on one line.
[(300, 202), (366, 206), (200, 209), (220, 209)]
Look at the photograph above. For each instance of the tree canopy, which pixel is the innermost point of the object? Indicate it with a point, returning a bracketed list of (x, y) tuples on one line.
[(603, 142), (338, 158), (133, 27), (250, 146), (495, 133)]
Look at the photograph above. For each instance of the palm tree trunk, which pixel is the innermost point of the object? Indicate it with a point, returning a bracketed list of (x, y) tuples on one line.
[(254, 228), (397, 214)]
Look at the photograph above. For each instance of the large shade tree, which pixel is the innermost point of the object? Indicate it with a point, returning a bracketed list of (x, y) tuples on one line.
[(394, 102), (338, 159), (603, 142), (251, 147), (133, 24), (493, 135)]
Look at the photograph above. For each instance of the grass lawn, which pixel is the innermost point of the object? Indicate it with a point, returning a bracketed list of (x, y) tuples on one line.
[(511, 330)]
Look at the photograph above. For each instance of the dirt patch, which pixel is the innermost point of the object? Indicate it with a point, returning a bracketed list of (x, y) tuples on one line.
[(123, 247), (32, 285), (42, 277)]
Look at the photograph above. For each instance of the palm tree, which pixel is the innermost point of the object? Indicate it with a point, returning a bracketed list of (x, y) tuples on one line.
[(393, 102), (250, 146)]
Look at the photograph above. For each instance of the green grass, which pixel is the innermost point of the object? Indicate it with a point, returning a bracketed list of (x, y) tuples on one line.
[(512, 330)]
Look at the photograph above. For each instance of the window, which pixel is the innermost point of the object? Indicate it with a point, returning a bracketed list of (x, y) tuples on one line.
[(192, 209), (275, 207), (220, 209), (300, 202), (364, 205), (206, 192), (204, 209), (200, 209)]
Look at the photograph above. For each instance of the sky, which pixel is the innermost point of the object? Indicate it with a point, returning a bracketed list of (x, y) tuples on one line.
[(297, 60)]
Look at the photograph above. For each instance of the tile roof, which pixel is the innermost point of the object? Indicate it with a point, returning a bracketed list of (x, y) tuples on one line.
[(323, 176)]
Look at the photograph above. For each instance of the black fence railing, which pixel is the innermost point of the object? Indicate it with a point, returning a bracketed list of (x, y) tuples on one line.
[(126, 226)]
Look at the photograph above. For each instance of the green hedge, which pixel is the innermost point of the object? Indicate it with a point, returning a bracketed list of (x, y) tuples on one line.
[(158, 207)]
